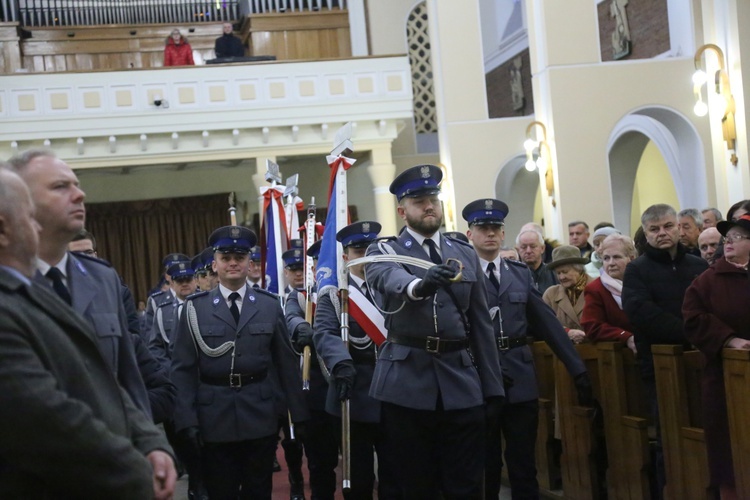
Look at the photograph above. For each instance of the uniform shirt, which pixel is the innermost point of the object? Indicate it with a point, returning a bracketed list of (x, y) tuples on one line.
[(496, 271), (225, 292), (421, 240), (62, 266)]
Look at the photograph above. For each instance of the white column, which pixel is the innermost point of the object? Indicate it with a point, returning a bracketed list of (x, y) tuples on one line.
[(382, 171), (358, 27)]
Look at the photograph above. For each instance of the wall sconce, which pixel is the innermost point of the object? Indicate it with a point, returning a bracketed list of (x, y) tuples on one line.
[(725, 101), (544, 156)]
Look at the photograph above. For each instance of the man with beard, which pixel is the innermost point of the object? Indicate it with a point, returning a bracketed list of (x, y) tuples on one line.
[(439, 365)]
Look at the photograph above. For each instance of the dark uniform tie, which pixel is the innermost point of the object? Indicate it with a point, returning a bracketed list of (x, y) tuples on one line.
[(434, 255), (233, 308), (57, 284), (493, 278)]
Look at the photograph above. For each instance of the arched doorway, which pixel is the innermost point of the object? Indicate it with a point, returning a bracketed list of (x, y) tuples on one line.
[(519, 188), (678, 177)]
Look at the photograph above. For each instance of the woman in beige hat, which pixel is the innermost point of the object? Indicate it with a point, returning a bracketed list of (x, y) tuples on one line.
[(566, 299)]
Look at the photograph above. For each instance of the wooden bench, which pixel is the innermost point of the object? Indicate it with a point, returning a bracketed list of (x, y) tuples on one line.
[(626, 418), (578, 462), (678, 376), (548, 473), (737, 385)]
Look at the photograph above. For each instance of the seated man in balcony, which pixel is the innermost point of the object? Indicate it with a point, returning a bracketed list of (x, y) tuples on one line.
[(228, 45)]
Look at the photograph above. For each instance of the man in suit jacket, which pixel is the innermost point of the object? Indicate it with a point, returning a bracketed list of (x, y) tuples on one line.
[(352, 368), (231, 342), (90, 285), (69, 430), (517, 310), (439, 365)]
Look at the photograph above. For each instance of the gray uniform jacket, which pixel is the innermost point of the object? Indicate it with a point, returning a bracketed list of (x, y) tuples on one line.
[(223, 413), (163, 330), (69, 430), (331, 349), (295, 314), (97, 296), (522, 312), (152, 304), (412, 377)]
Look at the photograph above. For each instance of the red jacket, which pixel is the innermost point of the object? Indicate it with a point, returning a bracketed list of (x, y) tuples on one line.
[(602, 319), (178, 54)]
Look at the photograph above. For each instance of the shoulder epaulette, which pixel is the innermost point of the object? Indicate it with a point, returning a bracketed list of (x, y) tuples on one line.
[(266, 292), (456, 240), (515, 262), (81, 255), (385, 238), (197, 294), (164, 303), (156, 294)]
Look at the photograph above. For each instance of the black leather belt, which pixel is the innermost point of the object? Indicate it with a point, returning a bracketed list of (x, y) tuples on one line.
[(505, 343), (433, 345), (235, 380)]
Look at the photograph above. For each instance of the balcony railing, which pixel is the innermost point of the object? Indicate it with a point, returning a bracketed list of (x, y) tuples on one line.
[(41, 13)]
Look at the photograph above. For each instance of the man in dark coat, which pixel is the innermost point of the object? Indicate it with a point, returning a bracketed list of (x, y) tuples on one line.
[(90, 285), (228, 342), (653, 289), (228, 45), (440, 364), (69, 430), (517, 310)]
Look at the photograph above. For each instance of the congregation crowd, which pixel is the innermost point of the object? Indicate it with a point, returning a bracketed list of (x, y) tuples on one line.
[(436, 378)]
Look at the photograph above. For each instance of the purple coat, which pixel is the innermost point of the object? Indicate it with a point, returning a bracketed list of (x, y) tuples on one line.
[(715, 308)]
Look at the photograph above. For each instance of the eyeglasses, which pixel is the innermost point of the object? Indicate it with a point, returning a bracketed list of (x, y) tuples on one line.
[(734, 238)]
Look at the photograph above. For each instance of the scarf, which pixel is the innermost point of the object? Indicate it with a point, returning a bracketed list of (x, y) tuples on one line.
[(576, 290), (614, 286)]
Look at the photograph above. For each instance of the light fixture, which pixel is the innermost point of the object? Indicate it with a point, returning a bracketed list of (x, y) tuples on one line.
[(536, 140), (724, 102)]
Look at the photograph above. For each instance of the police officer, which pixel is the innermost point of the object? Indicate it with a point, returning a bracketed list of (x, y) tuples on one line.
[(254, 275), (321, 437), (352, 369), (231, 342), (440, 364), (167, 315), (517, 310), (161, 297)]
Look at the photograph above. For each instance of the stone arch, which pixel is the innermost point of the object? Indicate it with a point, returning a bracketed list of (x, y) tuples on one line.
[(678, 142), (519, 188)]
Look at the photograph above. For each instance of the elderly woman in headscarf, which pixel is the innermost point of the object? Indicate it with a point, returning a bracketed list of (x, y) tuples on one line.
[(593, 268), (566, 299), (603, 318), (716, 315)]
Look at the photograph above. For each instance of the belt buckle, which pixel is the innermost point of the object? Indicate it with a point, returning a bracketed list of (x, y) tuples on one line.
[(433, 345), (503, 343), (235, 380)]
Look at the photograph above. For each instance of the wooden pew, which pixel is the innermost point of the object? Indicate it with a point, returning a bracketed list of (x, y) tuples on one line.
[(737, 385), (548, 473), (678, 377), (578, 462), (625, 406)]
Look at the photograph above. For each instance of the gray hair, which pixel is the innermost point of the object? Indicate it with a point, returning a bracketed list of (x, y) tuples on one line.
[(715, 211), (8, 197), (695, 214), (20, 161), (625, 241), (538, 234), (655, 212)]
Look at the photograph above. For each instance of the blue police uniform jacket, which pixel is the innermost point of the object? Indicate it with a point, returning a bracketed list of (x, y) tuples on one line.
[(262, 346), (327, 337), (164, 329), (412, 377), (155, 300), (96, 294), (295, 314), (522, 312)]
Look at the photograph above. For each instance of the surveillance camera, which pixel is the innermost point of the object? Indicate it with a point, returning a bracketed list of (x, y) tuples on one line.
[(157, 102)]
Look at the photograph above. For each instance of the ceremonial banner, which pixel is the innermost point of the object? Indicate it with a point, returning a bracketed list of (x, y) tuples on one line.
[(328, 272), (273, 238)]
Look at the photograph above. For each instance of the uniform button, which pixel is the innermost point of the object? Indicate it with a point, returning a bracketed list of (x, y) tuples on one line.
[(239, 354), (390, 356)]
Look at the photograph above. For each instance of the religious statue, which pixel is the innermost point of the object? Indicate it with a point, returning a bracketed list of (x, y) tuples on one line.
[(621, 34), (516, 84)]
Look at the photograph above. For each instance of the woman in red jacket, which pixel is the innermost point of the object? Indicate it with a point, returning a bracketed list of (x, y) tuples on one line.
[(178, 51), (716, 316), (603, 318)]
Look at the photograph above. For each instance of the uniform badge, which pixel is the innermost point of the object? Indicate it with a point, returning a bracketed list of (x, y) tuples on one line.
[(251, 298), (365, 227), (297, 254), (447, 242), (216, 300), (235, 232), (425, 172), (488, 204), (407, 244), (182, 266)]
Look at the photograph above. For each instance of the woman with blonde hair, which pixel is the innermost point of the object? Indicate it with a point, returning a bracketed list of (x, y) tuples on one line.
[(178, 51)]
